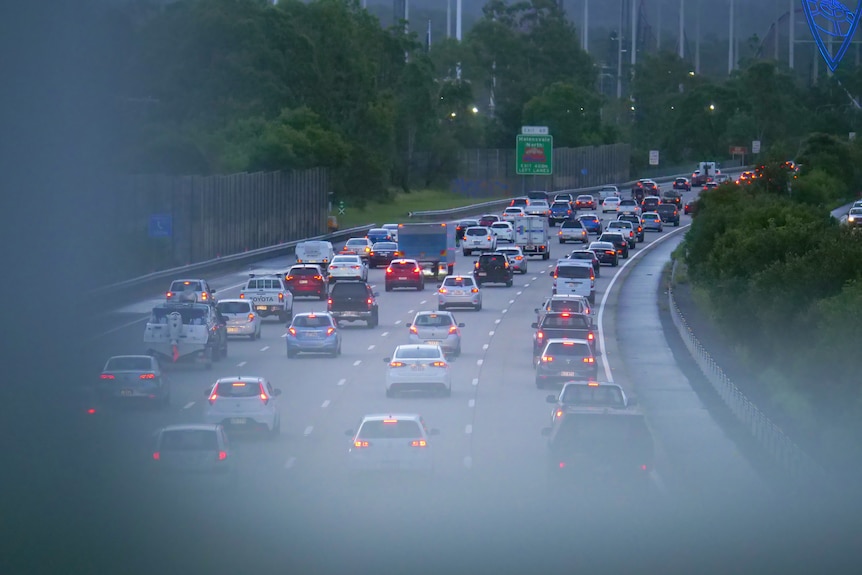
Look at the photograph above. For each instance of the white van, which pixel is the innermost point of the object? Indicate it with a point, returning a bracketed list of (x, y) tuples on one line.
[(315, 252), (575, 277)]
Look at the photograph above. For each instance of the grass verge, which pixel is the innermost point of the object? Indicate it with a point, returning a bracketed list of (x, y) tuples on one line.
[(395, 211)]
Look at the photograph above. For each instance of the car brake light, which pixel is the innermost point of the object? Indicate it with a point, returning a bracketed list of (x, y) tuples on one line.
[(547, 358), (439, 364), (288, 279), (204, 296), (540, 334), (589, 360), (453, 329), (559, 413), (148, 376), (489, 238), (389, 270), (442, 290), (213, 397), (280, 296), (242, 296), (413, 329), (416, 270), (565, 314), (369, 301), (329, 301), (157, 455), (396, 364), (359, 443), (251, 317), (418, 443), (590, 336), (562, 465), (474, 290), (593, 384), (292, 330), (169, 294), (222, 455), (263, 396), (107, 376)]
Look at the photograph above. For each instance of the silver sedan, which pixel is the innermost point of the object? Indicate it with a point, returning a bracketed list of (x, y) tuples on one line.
[(437, 328), (516, 257), (459, 291), (652, 221)]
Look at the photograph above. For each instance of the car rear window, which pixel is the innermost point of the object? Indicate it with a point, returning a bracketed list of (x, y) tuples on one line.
[(384, 246), (418, 353), (573, 271), (189, 440), (433, 320), (238, 389), (568, 349), (519, 202), (575, 306), (303, 272), (592, 395), (476, 232), (343, 289), (263, 284), (390, 429), (585, 198), (589, 218), (492, 260), (458, 282), (356, 242), (571, 224), (129, 364), (500, 225), (669, 208), (311, 321), (582, 255), (234, 307), (559, 321), (185, 286), (403, 265)]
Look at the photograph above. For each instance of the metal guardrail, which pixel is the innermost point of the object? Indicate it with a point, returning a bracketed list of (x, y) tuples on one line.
[(789, 456), (251, 255), (500, 204)]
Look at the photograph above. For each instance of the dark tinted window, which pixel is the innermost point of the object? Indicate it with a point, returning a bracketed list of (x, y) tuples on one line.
[(385, 246), (589, 218), (612, 238), (559, 321), (418, 352), (234, 307), (403, 265), (568, 349), (238, 389), (519, 203), (492, 261), (477, 232), (574, 271), (344, 289), (189, 440), (129, 364), (582, 255), (459, 282), (666, 208), (303, 272), (185, 286), (309, 321), (604, 395), (558, 204), (567, 305), (572, 224), (390, 429), (433, 320)]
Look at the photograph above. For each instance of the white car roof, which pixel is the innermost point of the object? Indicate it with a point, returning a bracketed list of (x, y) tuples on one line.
[(191, 427), (505, 249), (612, 199), (389, 226), (600, 245), (400, 416), (856, 210), (502, 224), (650, 214), (345, 257)]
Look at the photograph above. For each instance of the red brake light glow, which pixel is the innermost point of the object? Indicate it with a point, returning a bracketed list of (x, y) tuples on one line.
[(396, 364), (148, 376), (453, 329), (593, 384), (589, 360), (263, 395), (222, 455), (292, 330), (439, 364), (413, 329), (330, 330), (107, 376), (213, 396), (547, 358), (418, 443), (156, 455), (390, 421), (251, 317), (359, 443)]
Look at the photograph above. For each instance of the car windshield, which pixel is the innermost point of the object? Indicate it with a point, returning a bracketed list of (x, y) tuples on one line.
[(578, 271), (129, 364), (458, 282), (586, 255), (238, 389), (609, 395), (519, 202), (568, 349), (430, 352), (565, 321), (304, 272), (433, 320), (234, 307), (312, 321), (500, 226), (390, 429), (189, 440), (576, 306)]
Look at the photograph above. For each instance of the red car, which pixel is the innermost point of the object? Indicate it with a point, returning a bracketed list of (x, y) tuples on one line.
[(307, 280), (404, 273), (690, 207)]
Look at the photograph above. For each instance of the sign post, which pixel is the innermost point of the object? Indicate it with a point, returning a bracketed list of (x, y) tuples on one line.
[(653, 157), (534, 152), (755, 146)]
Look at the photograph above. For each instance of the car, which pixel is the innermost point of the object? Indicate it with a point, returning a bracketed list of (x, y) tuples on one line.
[(480, 239), (419, 368), (669, 214), (562, 325), (538, 208), (610, 204), (133, 378), (358, 247), (606, 252), (313, 332), (307, 280), (462, 226), (671, 197), (404, 273), (650, 203), (629, 206), (854, 217), (585, 202), (375, 235), (317, 252), (560, 212), (348, 267), (636, 224), (512, 212), (504, 231), (574, 276), (186, 332), (652, 221), (267, 290), (391, 442), (608, 190), (437, 328), (489, 219), (591, 222), (746, 177), (242, 320), (589, 256), (187, 454), (352, 300), (588, 394), (382, 253), (192, 290), (493, 267), (243, 403), (521, 202), (682, 184), (722, 179), (393, 231), (626, 229), (516, 258), (856, 204), (564, 197), (564, 303), (710, 186), (538, 195), (459, 291), (690, 207), (621, 242), (573, 231), (562, 360)]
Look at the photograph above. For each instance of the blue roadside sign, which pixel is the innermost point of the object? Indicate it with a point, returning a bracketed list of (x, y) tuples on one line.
[(161, 226)]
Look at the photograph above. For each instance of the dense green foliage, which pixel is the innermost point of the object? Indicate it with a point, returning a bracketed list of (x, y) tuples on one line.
[(784, 279)]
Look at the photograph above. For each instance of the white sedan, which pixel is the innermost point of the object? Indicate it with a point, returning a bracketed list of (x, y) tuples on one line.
[(348, 268), (504, 231), (418, 368), (610, 204), (388, 442), (513, 212)]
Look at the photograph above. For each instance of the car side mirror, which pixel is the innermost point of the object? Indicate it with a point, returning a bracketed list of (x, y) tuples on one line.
[(460, 325), (433, 432), (598, 354), (535, 325), (535, 310), (551, 273), (276, 392), (546, 432), (409, 325), (551, 398), (349, 433)]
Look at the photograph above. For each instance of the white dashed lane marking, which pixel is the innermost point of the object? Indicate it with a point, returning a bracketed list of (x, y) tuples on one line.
[(475, 381), (520, 292), (480, 361), (505, 310), (357, 362), (240, 364), (384, 334), (308, 430), (484, 346), (534, 279), (496, 321), (325, 404), (423, 302), (188, 405), (526, 285), (284, 335), (290, 463), (264, 348), (370, 347), (410, 311), (491, 333), (397, 321), (471, 403), (342, 381), (469, 429), (511, 301)]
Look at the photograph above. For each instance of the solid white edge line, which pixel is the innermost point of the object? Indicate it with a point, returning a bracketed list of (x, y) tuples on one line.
[(485, 346), (188, 405), (605, 362), (491, 333), (475, 381), (480, 361)]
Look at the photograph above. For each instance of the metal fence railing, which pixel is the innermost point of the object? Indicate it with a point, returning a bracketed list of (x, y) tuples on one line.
[(789, 456)]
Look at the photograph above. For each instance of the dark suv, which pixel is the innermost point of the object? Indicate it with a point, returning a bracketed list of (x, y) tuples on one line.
[(620, 242), (650, 203), (351, 300), (669, 214), (493, 268), (671, 197)]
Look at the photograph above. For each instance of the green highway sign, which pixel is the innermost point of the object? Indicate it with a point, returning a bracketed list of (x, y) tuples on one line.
[(534, 155)]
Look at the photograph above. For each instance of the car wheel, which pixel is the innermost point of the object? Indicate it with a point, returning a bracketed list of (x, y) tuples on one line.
[(539, 383), (676, 224), (546, 256), (388, 287), (466, 252), (224, 350), (562, 241), (338, 351), (253, 336), (616, 262), (421, 287), (479, 307), (322, 296)]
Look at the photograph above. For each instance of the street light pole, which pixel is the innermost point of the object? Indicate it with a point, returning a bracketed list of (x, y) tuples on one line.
[(681, 29), (791, 32), (586, 33), (634, 33), (730, 41)]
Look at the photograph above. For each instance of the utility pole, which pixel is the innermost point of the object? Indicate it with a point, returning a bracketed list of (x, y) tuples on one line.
[(791, 32), (634, 58), (658, 28), (448, 18), (730, 41), (620, 52), (458, 34), (681, 29), (697, 41), (586, 33)]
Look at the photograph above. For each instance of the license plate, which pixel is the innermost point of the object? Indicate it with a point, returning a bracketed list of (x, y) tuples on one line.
[(417, 366), (314, 335), (303, 282), (232, 329), (350, 314), (458, 292), (126, 392), (432, 342), (483, 273), (567, 373), (261, 307), (402, 277), (238, 420), (477, 242)]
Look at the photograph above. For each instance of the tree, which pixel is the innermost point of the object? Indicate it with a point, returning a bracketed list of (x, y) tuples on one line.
[(571, 113)]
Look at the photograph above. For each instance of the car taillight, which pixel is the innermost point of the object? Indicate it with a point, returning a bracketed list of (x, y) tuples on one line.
[(360, 443), (559, 413), (547, 358), (169, 294), (589, 360), (389, 270), (372, 253), (107, 376), (453, 329), (413, 329), (280, 296), (540, 334), (251, 317), (242, 296), (288, 279), (213, 397), (222, 455), (419, 443), (442, 290), (369, 301), (474, 290), (489, 238), (330, 330), (263, 395), (156, 455), (396, 364), (416, 270), (590, 336), (292, 330), (148, 376), (439, 364), (333, 267), (329, 302)]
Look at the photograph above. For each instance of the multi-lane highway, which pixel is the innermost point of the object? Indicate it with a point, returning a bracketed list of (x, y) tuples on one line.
[(490, 483)]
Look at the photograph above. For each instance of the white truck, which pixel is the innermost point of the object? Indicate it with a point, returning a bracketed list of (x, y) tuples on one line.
[(532, 236), (269, 294), (315, 252), (186, 332)]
